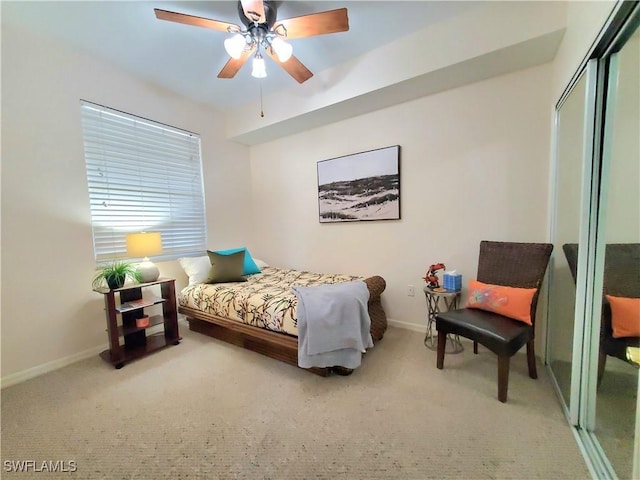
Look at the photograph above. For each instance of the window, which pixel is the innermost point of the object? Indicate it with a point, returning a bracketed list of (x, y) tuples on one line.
[(142, 176)]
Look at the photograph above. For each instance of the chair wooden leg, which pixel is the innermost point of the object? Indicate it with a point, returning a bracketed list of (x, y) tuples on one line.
[(602, 362), (442, 344), (475, 347), (503, 378), (531, 359)]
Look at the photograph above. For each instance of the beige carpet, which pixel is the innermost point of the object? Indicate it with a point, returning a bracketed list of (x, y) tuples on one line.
[(616, 399), (209, 410)]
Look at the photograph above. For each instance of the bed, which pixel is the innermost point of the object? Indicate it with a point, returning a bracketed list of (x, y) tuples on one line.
[(260, 314)]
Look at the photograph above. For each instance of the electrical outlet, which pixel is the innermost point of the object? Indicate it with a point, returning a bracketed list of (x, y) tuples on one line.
[(411, 291)]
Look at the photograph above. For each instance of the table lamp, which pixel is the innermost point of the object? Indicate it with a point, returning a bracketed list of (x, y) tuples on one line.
[(145, 244)]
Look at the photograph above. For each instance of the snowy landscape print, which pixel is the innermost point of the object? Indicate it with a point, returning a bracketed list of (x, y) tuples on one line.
[(362, 186)]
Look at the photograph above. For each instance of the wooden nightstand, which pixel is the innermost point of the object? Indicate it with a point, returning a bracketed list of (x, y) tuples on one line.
[(127, 341)]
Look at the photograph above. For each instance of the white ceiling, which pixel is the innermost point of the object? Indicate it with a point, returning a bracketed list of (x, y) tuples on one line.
[(186, 59)]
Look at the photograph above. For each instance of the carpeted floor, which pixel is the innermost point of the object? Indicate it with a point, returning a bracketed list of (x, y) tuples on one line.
[(615, 419), (209, 410)]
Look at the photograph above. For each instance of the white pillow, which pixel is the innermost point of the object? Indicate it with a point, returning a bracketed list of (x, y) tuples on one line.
[(196, 268), (260, 263)]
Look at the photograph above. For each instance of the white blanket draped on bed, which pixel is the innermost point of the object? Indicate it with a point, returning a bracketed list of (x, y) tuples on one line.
[(333, 324)]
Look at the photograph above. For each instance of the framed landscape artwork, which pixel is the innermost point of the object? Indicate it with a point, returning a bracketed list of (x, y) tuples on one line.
[(361, 186)]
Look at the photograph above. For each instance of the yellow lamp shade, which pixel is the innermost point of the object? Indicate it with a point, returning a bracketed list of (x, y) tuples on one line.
[(144, 244)]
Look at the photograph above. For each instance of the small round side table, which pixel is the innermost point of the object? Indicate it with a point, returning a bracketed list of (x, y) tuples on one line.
[(450, 301)]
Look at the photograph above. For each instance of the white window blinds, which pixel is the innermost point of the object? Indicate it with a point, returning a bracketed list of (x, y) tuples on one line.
[(142, 176)]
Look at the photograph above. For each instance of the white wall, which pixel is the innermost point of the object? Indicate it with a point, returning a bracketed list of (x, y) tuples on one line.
[(584, 22), (474, 164), (49, 312), (490, 39)]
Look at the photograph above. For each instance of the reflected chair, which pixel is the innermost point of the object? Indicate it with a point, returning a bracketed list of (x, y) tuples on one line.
[(511, 264), (621, 279)]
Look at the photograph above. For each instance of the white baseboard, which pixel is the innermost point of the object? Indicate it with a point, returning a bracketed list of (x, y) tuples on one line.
[(406, 325), (38, 370)]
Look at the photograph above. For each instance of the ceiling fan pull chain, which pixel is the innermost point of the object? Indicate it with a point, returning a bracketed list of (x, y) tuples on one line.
[(261, 107)]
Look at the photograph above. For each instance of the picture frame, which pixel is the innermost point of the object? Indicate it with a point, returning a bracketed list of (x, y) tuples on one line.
[(362, 186)]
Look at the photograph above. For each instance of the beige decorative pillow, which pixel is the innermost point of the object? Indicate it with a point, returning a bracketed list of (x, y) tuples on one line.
[(226, 268)]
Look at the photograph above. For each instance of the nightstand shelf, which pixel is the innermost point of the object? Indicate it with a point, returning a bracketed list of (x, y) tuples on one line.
[(154, 342), (138, 304), (127, 341), (153, 321)]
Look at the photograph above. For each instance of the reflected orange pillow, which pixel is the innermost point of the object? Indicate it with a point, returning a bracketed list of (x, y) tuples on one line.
[(508, 301), (625, 316)]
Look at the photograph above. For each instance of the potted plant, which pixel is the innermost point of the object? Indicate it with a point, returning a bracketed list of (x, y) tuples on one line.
[(114, 274)]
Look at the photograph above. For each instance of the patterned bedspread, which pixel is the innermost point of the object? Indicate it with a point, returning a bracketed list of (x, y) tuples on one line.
[(264, 300)]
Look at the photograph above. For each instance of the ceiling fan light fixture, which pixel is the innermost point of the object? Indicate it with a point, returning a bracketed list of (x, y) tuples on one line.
[(282, 49), (235, 45), (260, 30), (259, 69)]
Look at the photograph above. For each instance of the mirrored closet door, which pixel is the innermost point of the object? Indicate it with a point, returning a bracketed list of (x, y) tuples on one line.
[(618, 259), (570, 141), (593, 332)]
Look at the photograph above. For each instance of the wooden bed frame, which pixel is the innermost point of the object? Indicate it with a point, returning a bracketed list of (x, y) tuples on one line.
[(277, 345)]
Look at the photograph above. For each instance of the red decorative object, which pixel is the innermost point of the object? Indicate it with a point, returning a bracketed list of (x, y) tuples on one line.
[(431, 277), (142, 322)]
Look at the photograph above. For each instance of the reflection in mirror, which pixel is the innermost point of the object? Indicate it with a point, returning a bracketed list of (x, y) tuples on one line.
[(616, 400), (566, 229)]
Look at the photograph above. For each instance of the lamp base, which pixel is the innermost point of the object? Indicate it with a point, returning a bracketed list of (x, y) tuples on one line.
[(148, 271)]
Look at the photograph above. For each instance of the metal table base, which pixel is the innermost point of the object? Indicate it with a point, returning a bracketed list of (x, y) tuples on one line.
[(450, 300)]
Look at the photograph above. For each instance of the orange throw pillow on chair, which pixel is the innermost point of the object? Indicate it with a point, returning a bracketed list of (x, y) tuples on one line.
[(625, 316), (511, 302)]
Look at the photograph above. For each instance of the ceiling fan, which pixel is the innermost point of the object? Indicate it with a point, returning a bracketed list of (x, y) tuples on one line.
[(261, 32)]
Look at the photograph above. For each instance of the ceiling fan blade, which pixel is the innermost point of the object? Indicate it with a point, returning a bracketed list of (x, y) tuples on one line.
[(293, 67), (195, 21), (234, 65), (254, 10), (331, 21)]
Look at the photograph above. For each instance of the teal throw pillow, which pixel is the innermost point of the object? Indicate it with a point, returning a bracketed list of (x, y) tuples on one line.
[(250, 266)]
